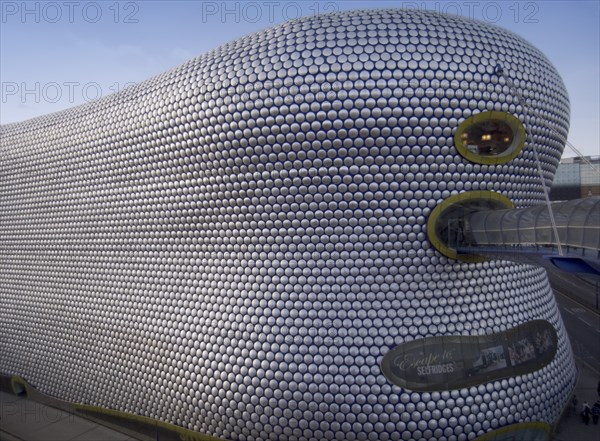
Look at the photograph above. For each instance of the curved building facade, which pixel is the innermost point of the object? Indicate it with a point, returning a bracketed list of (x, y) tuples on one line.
[(234, 246)]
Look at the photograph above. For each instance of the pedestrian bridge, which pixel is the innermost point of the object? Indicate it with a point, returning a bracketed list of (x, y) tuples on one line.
[(477, 225)]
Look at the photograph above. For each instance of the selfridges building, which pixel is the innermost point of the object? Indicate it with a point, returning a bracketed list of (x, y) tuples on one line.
[(238, 247)]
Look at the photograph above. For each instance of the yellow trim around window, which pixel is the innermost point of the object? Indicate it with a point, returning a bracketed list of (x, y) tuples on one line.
[(519, 137)]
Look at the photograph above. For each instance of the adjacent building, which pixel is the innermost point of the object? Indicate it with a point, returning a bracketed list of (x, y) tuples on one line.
[(576, 178)]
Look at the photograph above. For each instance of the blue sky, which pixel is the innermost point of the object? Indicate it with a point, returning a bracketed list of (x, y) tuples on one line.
[(54, 55)]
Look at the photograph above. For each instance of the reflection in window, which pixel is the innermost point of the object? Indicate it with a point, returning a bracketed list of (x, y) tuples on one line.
[(490, 138), (457, 361)]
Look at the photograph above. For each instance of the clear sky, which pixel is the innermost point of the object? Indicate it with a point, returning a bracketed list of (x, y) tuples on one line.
[(57, 54)]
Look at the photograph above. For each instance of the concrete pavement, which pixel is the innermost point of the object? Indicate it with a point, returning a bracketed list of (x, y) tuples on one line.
[(580, 289), (576, 301), (27, 420), (571, 427)]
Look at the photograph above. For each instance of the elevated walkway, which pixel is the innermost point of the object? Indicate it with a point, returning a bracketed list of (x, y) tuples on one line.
[(482, 225)]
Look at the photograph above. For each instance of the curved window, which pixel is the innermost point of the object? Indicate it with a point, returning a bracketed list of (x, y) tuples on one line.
[(490, 138), (445, 225), (457, 361)]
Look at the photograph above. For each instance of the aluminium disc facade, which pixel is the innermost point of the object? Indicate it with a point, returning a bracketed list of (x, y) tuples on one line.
[(234, 245)]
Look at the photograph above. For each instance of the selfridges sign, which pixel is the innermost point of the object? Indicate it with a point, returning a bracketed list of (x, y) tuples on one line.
[(453, 362)]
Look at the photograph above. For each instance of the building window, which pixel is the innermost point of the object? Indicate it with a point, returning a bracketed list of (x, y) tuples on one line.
[(490, 138)]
